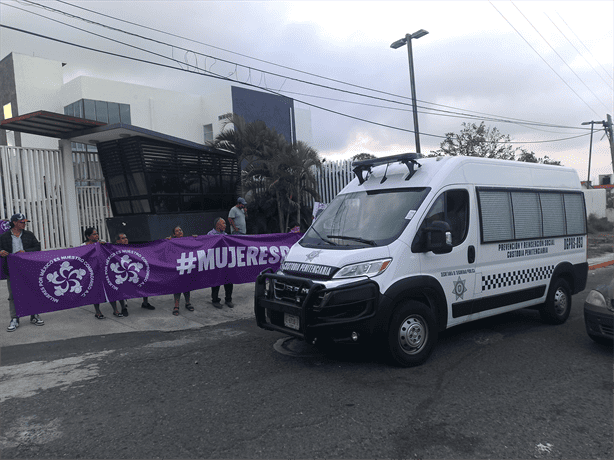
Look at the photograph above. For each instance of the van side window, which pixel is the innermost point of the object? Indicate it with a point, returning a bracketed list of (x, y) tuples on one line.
[(523, 214), (452, 207)]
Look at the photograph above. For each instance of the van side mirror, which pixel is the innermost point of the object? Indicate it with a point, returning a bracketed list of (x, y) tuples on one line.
[(439, 237)]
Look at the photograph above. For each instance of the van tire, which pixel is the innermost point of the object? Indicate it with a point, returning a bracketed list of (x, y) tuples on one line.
[(557, 308), (412, 334)]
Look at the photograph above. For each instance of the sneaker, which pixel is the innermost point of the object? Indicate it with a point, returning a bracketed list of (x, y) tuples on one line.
[(148, 306), (217, 304), (36, 320), (125, 311), (14, 325), (229, 304)]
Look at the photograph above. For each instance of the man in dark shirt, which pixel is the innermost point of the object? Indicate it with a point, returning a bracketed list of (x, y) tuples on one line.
[(18, 239)]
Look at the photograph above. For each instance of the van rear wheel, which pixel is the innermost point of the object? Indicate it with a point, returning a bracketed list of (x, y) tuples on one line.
[(557, 308), (412, 333)]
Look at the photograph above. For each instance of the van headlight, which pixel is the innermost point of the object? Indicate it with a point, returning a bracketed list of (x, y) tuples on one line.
[(371, 268)]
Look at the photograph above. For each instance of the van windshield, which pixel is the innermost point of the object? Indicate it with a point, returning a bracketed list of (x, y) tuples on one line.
[(364, 219)]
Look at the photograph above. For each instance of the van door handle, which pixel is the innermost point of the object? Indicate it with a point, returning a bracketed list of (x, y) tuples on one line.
[(471, 254)]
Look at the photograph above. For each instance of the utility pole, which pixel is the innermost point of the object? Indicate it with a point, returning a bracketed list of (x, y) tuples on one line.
[(590, 150), (608, 131)]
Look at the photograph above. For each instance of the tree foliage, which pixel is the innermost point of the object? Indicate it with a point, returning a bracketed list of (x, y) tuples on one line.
[(363, 156), (482, 141), (276, 176)]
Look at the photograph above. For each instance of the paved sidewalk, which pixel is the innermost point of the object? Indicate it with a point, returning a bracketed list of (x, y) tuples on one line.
[(80, 322)]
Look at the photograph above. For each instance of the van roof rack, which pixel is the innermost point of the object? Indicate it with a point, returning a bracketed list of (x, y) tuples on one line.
[(362, 168)]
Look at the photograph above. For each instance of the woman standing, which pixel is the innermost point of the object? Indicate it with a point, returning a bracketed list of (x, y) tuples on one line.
[(92, 237), (178, 233)]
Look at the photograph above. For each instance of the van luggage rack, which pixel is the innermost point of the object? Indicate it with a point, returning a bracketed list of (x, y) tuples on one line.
[(364, 166)]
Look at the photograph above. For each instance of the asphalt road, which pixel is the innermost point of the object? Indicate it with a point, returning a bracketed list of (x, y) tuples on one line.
[(504, 387)]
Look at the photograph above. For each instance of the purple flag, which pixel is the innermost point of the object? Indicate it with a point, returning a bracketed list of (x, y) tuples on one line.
[(67, 278)]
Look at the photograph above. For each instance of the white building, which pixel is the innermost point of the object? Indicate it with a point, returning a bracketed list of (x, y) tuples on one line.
[(31, 165)]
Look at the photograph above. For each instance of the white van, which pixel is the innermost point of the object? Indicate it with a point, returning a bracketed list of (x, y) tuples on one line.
[(413, 246)]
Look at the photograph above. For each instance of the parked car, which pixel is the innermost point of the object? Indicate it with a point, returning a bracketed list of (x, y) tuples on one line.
[(599, 313)]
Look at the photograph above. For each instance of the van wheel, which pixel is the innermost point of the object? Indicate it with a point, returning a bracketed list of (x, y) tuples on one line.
[(412, 334), (557, 308)]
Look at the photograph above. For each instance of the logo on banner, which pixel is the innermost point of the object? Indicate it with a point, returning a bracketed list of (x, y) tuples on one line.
[(126, 266), (64, 276), (5, 226)]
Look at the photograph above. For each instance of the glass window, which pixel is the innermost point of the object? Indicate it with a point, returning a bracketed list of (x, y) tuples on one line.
[(117, 187), (575, 215), (69, 110), (452, 207), (208, 133), (363, 219), (140, 206), (124, 114), (122, 207), (137, 184), (102, 112), (553, 213), (89, 108), (113, 112), (527, 215), (496, 215)]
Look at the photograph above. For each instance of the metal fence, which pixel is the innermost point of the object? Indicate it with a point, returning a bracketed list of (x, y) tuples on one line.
[(32, 182), (333, 176)]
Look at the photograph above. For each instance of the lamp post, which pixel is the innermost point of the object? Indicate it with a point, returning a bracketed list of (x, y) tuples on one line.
[(590, 150), (398, 44)]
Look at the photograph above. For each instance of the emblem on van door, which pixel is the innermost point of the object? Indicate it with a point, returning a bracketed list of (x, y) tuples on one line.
[(459, 288), (313, 255)]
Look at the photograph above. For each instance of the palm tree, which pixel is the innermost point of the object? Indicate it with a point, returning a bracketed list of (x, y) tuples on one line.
[(306, 159)]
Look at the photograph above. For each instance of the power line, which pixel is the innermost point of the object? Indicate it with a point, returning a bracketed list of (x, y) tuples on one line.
[(212, 75), (540, 56), (586, 47), (498, 118), (560, 57), (579, 53)]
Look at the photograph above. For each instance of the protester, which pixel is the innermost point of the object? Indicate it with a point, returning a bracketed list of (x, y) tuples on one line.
[(237, 217), (219, 228), (18, 239), (123, 239), (178, 233), (92, 237)]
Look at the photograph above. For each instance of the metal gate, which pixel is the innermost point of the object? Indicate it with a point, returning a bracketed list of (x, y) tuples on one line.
[(33, 183)]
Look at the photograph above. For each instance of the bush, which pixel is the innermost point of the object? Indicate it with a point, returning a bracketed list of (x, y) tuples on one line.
[(596, 225)]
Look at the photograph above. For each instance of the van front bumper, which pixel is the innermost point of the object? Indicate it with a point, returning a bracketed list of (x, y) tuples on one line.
[(307, 309)]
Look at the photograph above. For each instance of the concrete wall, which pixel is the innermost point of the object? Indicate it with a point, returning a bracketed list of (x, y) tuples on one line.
[(37, 83), (595, 202)]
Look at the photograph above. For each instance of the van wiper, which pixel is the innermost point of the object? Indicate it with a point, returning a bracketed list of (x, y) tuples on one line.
[(322, 238), (353, 238)]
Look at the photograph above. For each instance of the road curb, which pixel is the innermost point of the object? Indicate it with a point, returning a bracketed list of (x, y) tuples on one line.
[(601, 265)]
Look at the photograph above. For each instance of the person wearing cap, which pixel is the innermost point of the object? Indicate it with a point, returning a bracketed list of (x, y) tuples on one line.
[(18, 239), (219, 228), (237, 217)]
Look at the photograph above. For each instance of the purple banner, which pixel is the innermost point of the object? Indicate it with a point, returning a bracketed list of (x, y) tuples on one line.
[(67, 278)]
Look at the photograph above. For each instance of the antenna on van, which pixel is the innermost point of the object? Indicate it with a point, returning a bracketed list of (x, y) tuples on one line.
[(362, 169)]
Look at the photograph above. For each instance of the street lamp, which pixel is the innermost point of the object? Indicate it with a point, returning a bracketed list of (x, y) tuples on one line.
[(398, 44)]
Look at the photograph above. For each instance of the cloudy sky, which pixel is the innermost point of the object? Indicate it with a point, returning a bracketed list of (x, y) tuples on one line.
[(534, 70)]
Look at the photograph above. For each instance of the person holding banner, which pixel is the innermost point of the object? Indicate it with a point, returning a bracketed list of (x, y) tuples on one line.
[(92, 237), (237, 217), (123, 239), (219, 228), (178, 233), (18, 239)]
